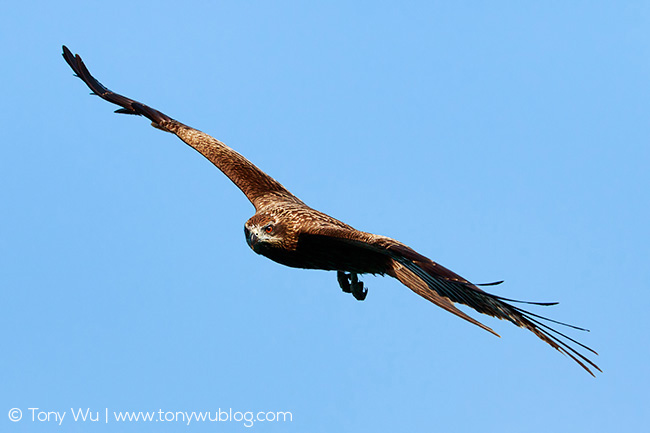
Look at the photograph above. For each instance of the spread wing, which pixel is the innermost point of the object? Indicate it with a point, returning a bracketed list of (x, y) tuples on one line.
[(260, 188), (444, 287)]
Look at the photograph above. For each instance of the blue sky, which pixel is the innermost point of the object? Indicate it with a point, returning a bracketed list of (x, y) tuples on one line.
[(506, 141)]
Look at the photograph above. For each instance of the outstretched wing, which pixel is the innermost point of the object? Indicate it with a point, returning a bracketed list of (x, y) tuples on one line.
[(457, 289), (260, 188), (444, 287)]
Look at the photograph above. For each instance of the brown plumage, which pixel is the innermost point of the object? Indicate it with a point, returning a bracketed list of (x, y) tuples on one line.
[(289, 232)]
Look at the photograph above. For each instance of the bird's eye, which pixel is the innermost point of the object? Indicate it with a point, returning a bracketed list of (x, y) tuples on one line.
[(268, 229)]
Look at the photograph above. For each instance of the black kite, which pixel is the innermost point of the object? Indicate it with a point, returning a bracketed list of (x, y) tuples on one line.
[(286, 230)]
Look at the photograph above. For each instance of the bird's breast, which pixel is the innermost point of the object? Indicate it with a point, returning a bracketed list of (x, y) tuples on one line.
[(326, 253)]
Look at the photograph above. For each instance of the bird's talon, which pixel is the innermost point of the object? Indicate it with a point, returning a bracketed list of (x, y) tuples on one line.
[(360, 295), (358, 290), (350, 283), (344, 281)]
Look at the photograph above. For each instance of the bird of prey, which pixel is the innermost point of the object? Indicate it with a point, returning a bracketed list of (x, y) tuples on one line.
[(287, 231)]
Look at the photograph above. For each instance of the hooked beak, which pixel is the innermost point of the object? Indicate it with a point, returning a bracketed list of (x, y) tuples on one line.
[(251, 238)]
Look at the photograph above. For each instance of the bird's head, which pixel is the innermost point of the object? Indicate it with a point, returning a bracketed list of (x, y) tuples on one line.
[(264, 232)]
